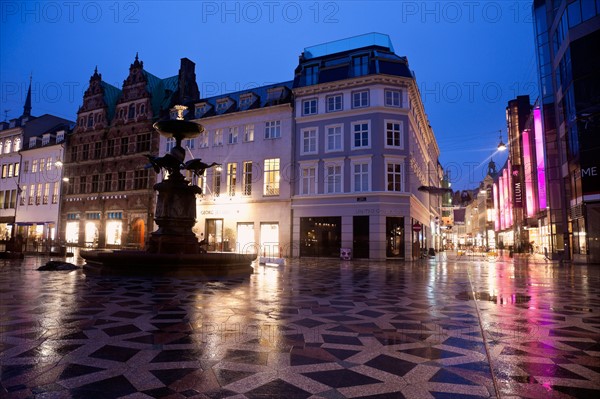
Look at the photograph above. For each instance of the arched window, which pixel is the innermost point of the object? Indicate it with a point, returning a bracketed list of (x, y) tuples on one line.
[(17, 145), (142, 109), (131, 114), (7, 145), (90, 120), (121, 113)]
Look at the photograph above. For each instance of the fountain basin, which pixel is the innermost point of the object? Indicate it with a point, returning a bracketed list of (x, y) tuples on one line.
[(142, 263)]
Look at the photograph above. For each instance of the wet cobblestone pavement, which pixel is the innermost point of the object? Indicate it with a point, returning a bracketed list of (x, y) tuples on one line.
[(449, 328)]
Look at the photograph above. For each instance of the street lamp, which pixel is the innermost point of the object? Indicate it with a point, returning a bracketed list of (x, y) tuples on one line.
[(501, 145)]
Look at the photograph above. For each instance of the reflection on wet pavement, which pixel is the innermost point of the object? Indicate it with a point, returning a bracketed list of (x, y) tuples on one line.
[(314, 328)]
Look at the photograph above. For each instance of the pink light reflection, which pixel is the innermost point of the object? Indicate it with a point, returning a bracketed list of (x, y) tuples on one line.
[(539, 156)]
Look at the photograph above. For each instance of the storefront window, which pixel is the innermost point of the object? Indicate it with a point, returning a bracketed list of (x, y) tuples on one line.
[(320, 236), (72, 232), (394, 236), (114, 230)]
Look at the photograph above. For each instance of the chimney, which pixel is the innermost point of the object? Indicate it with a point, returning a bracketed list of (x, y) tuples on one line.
[(188, 88)]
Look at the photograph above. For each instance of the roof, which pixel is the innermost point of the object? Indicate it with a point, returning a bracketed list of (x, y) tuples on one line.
[(262, 93), (334, 61), (111, 95), (44, 124)]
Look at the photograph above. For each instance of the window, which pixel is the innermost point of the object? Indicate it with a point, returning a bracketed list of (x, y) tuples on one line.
[(90, 120), (231, 178), (32, 142), (31, 194), (333, 178), (82, 185), (110, 149), (309, 107), (271, 173), (217, 182), (247, 178), (170, 143), (393, 98), (10, 169), (55, 193), (74, 150), (95, 183), (140, 179), (86, 152), (17, 168), (360, 176), (203, 139), (46, 193), (393, 134), (309, 141), (311, 75), (334, 103), (60, 136), (334, 138), (23, 195), (360, 135), (26, 166), (49, 163), (98, 150), (108, 182), (124, 145), (142, 109), (42, 164), (232, 135), (7, 146), (38, 194), (131, 113), (121, 181), (45, 139), (272, 129), (360, 65), (360, 99), (17, 145), (248, 133), (4, 171), (143, 142), (308, 182), (218, 140), (34, 166), (189, 143), (394, 176)]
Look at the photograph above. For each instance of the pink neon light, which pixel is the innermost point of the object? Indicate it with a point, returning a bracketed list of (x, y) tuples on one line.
[(539, 156), (496, 208), (529, 202)]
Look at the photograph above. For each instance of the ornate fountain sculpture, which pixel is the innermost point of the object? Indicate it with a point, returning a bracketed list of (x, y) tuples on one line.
[(173, 248)]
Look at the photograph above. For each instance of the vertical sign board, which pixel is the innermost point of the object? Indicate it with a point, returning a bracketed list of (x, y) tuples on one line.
[(517, 186)]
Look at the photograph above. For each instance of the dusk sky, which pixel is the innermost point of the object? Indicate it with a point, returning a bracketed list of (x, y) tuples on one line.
[(470, 57)]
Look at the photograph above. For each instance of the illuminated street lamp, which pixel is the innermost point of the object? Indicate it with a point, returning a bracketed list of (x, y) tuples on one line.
[(501, 145)]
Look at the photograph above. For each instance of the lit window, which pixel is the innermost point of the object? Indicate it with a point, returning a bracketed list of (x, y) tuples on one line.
[(232, 136), (247, 178), (271, 177), (231, 178)]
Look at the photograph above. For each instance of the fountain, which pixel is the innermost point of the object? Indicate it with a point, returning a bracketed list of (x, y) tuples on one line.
[(173, 248)]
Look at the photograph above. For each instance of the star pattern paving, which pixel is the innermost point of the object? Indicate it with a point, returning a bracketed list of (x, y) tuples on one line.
[(311, 329)]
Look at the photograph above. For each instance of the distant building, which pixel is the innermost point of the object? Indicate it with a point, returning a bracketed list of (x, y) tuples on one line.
[(109, 199), (31, 159), (567, 38)]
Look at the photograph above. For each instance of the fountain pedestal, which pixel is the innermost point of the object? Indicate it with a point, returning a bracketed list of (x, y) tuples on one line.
[(175, 216)]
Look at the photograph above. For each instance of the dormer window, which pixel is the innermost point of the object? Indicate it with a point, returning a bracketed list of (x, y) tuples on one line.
[(60, 136), (276, 94), (246, 100), (311, 75), (17, 145), (46, 139), (173, 114), (32, 142), (7, 146), (222, 105), (360, 65)]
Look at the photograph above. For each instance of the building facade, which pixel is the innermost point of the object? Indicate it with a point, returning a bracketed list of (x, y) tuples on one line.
[(108, 199), (245, 205), (362, 148), (567, 35)]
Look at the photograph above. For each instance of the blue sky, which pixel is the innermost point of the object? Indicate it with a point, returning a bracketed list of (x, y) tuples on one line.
[(470, 57)]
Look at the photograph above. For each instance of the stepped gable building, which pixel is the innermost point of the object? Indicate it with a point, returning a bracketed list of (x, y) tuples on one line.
[(109, 198), (363, 147)]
